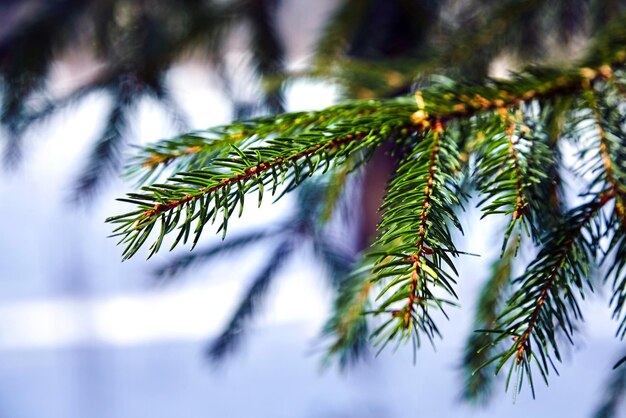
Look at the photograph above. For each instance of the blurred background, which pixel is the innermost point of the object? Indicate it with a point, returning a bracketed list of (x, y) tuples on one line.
[(235, 331)]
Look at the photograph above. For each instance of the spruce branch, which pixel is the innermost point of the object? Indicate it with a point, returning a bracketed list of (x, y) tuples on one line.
[(260, 165), (545, 193), (222, 186), (415, 241), (189, 151), (197, 149), (245, 171), (545, 301), (249, 169), (608, 122), (487, 102), (609, 141), (502, 171), (408, 276)]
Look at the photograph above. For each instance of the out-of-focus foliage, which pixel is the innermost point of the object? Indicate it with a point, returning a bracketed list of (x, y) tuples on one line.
[(613, 394), (134, 44), (292, 238)]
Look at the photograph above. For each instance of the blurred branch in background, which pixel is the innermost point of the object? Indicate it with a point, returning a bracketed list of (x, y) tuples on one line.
[(133, 44), (302, 233)]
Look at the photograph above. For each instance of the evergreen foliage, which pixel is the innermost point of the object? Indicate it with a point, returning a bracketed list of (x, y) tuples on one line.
[(455, 135), (499, 135)]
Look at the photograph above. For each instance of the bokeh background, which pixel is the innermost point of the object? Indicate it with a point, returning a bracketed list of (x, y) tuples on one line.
[(84, 335)]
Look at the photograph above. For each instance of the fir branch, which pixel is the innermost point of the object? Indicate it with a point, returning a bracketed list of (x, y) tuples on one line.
[(545, 194), (255, 168), (502, 171), (545, 300), (196, 150), (197, 196), (250, 169), (415, 241), (190, 151), (411, 264), (608, 139), (423, 225), (608, 121)]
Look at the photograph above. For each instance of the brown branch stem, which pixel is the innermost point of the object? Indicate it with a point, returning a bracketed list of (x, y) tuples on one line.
[(250, 172), (522, 341), (421, 250), (605, 155)]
